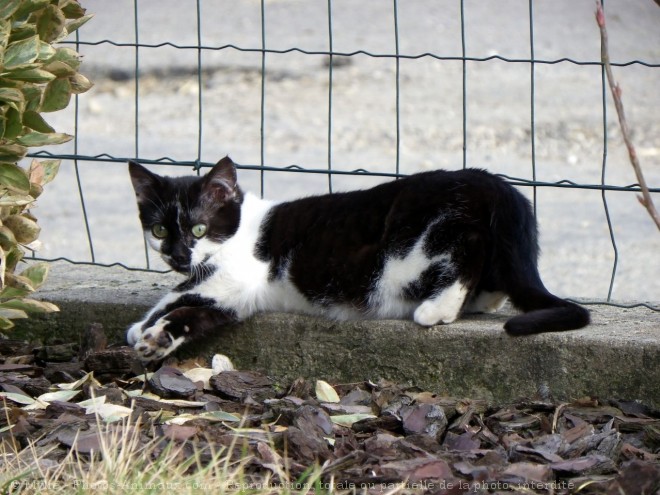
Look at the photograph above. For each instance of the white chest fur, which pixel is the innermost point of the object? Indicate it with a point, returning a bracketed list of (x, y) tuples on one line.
[(241, 280)]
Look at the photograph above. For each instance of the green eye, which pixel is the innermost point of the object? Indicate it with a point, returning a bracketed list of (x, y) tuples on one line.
[(199, 230), (159, 231)]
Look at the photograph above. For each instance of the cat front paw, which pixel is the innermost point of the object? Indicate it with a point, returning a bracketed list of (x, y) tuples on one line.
[(428, 314), (157, 341), (134, 333)]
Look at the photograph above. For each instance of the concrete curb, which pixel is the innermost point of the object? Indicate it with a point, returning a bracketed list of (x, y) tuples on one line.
[(618, 356)]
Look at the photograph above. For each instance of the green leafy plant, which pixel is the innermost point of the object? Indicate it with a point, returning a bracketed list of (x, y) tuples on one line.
[(35, 77)]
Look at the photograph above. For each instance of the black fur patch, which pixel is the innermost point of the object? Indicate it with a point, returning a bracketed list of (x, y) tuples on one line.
[(187, 300), (436, 277)]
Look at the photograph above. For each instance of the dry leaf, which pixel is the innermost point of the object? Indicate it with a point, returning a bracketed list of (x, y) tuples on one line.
[(221, 363), (210, 416), (18, 398), (200, 375), (325, 392), (347, 420)]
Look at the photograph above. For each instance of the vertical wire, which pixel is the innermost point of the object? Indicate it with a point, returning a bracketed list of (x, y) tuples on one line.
[(263, 94), (330, 63), (603, 83), (137, 78), (137, 104), (398, 88), (198, 163), (532, 102), (77, 171), (463, 55)]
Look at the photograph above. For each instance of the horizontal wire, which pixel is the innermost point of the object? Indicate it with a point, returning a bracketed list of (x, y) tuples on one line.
[(96, 263), (516, 181), (616, 305), (151, 270), (364, 52)]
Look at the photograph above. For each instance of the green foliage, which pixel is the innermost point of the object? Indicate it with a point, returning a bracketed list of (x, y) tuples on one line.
[(35, 77)]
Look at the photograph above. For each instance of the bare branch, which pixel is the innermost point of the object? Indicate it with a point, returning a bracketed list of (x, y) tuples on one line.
[(645, 199)]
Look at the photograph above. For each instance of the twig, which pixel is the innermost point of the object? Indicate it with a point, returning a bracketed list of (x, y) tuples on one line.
[(645, 199)]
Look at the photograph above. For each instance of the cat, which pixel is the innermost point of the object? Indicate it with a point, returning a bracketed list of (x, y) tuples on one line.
[(426, 247)]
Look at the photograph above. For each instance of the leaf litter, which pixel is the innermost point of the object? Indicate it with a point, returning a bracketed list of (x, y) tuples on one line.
[(368, 437)]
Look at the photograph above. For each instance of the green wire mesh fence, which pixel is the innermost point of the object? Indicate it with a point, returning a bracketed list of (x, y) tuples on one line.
[(168, 72)]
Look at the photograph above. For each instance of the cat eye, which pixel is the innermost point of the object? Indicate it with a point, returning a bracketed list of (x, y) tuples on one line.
[(199, 230), (159, 231)]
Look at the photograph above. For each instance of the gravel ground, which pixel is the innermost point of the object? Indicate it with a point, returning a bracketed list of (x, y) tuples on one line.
[(578, 253)]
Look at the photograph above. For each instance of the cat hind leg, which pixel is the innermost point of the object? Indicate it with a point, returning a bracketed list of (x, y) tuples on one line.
[(444, 307), (487, 302)]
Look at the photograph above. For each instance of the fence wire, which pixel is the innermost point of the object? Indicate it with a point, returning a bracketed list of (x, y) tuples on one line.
[(328, 168)]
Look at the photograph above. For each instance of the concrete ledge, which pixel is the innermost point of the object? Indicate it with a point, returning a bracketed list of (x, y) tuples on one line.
[(618, 356)]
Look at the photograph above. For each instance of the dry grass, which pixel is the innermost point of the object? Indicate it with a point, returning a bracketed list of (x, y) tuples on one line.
[(126, 464)]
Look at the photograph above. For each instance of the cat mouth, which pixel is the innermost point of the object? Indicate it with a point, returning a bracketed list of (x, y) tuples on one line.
[(181, 268), (178, 265)]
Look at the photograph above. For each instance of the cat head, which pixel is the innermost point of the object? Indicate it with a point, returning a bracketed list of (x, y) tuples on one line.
[(184, 218)]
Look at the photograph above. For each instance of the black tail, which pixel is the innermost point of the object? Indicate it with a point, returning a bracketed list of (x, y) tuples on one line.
[(544, 312), (516, 260)]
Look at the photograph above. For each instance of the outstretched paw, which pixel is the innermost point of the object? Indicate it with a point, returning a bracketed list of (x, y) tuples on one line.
[(134, 333), (156, 342)]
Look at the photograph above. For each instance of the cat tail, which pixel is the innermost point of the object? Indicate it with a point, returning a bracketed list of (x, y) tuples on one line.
[(543, 311), (518, 252)]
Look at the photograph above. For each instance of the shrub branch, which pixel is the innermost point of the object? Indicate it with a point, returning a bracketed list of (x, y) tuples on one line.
[(645, 199)]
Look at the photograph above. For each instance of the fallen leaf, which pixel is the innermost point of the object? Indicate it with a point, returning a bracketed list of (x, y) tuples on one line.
[(334, 408), (347, 420), (325, 392), (174, 402), (106, 411), (43, 400), (89, 377), (18, 398), (216, 416), (200, 375), (221, 363), (141, 378)]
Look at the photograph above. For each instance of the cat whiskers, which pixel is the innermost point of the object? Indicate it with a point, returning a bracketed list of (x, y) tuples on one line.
[(199, 272)]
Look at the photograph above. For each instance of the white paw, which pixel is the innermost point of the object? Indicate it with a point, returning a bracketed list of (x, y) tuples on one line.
[(429, 313), (443, 308), (156, 343), (134, 333)]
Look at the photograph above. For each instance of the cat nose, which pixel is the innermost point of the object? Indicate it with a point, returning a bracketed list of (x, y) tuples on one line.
[(180, 259)]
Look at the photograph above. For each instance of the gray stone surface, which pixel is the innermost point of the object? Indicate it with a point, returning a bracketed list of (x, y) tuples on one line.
[(618, 356)]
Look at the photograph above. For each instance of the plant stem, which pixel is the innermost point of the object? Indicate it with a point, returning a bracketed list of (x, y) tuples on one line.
[(645, 199)]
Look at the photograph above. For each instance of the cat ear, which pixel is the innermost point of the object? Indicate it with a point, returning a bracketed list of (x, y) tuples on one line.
[(220, 185), (143, 180)]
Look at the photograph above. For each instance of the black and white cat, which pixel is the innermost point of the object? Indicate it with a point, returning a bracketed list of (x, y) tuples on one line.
[(426, 247)]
